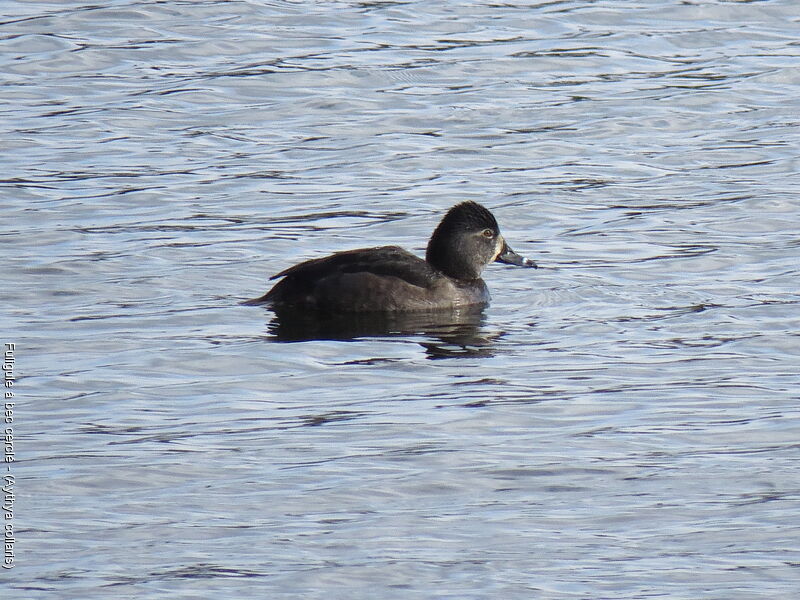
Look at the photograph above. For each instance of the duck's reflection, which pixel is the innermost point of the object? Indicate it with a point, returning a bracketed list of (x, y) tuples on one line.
[(445, 334)]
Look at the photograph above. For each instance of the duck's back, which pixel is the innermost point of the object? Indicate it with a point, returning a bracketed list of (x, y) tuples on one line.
[(385, 278)]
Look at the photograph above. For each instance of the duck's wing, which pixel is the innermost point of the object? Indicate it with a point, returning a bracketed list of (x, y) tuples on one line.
[(384, 260)]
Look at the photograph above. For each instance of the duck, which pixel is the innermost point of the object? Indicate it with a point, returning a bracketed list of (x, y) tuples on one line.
[(389, 279)]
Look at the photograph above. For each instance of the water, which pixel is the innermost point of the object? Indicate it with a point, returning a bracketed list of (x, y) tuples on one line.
[(621, 423)]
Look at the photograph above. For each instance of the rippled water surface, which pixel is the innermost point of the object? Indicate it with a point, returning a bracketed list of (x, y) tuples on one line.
[(620, 423)]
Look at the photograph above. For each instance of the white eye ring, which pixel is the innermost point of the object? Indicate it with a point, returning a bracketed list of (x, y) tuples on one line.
[(487, 233)]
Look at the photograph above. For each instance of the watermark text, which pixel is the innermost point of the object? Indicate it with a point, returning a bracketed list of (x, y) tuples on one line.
[(8, 482)]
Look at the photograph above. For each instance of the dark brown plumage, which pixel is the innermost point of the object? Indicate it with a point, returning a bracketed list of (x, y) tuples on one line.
[(389, 279)]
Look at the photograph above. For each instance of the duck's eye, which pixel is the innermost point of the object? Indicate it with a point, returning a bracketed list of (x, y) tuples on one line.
[(487, 233)]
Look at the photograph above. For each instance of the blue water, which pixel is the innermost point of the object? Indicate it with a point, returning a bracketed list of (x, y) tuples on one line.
[(620, 423)]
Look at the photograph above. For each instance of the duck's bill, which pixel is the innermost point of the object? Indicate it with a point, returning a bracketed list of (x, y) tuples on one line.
[(509, 257)]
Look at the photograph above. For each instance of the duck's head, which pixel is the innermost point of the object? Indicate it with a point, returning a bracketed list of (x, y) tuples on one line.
[(468, 239)]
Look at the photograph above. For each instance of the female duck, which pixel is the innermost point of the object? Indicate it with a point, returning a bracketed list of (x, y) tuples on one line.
[(390, 279)]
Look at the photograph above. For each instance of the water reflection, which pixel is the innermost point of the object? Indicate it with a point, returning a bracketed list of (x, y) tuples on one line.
[(446, 334)]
